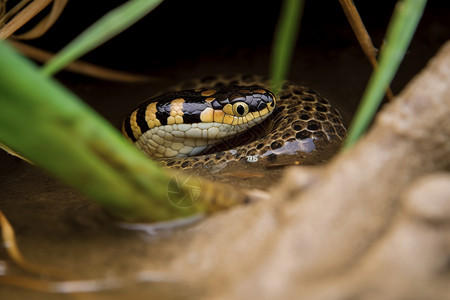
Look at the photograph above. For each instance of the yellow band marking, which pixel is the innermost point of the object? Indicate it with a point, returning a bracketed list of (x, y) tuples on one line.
[(150, 116), (260, 91), (134, 126), (218, 116), (176, 107), (227, 119), (207, 115), (179, 120), (252, 115), (264, 112), (176, 112), (228, 109), (208, 93)]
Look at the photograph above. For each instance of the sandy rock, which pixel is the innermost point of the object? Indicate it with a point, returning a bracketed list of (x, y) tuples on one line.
[(360, 227)]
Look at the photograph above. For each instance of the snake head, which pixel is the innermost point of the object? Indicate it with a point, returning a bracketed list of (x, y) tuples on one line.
[(185, 123)]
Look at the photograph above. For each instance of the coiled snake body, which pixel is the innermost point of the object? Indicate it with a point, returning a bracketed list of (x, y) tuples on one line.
[(211, 117)]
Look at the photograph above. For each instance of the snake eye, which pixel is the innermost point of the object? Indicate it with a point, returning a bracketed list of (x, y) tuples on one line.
[(240, 109)]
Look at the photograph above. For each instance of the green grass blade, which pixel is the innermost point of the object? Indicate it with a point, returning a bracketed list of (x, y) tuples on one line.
[(401, 29), (284, 41), (47, 124), (105, 28)]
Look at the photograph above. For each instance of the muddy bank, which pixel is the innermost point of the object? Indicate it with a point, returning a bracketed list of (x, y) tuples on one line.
[(375, 218)]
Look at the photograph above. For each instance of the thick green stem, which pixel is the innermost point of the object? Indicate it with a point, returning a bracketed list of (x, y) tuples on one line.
[(284, 41), (50, 126)]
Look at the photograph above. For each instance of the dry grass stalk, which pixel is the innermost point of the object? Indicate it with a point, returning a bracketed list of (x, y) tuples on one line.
[(82, 67), (22, 17), (362, 35), (45, 24)]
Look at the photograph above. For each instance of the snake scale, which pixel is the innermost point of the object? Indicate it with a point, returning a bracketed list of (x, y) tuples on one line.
[(221, 121)]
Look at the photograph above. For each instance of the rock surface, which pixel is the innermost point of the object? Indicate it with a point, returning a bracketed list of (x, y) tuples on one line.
[(373, 223)]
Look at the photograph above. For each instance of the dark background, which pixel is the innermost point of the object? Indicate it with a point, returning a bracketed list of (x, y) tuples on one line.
[(183, 39), (185, 30)]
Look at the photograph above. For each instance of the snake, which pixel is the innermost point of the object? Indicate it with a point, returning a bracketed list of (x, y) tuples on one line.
[(235, 121)]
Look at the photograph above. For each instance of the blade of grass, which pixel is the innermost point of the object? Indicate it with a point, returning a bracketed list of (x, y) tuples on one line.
[(47, 124), (284, 41), (401, 29), (106, 27)]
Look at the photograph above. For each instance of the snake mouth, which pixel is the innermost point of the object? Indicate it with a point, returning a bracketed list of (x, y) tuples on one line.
[(244, 138)]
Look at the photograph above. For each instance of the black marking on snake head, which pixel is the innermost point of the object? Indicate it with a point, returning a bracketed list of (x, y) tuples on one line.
[(140, 118), (255, 101), (162, 112), (192, 111), (127, 127), (216, 105)]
